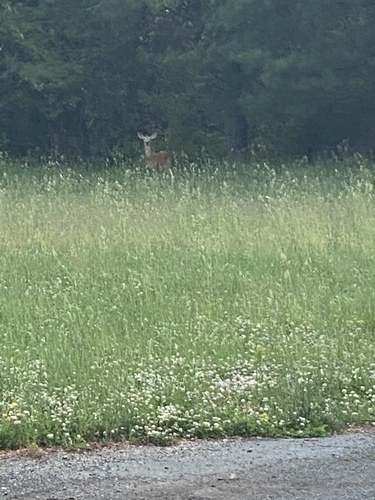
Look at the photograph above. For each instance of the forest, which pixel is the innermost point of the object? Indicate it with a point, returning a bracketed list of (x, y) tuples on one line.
[(219, 77)]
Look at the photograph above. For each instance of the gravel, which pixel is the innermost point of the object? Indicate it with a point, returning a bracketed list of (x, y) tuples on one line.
[(338, 467)]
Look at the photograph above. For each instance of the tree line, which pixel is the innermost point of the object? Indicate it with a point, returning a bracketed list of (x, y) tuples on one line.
[(81, 78)]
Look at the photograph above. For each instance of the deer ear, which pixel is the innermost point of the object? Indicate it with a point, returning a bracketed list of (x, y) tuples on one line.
[(141, 136), (153, 135)]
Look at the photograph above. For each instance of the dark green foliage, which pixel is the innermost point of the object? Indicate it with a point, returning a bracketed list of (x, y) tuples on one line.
[(220, 76)]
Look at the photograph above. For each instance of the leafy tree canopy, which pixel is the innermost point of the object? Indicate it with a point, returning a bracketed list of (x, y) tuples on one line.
[(82, 78)]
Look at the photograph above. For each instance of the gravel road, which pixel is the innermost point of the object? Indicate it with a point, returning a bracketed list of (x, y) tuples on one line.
[(338, 467)]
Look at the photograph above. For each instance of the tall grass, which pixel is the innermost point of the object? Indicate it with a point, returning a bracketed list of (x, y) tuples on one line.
[(220, 301)]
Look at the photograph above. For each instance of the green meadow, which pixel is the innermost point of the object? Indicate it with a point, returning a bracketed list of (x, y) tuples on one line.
[(218, 301)]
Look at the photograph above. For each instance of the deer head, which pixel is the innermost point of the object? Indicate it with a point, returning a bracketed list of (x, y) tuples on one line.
[(154, 159)]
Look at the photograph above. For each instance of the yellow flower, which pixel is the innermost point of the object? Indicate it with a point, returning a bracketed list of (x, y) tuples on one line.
[(14, 404)]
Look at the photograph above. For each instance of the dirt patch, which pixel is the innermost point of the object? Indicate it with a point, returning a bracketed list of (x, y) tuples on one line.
[(339, 467)]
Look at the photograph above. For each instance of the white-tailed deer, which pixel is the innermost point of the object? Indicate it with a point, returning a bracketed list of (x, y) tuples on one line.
[(154, 159)]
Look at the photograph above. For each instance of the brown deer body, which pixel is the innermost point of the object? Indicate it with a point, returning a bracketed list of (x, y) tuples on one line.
[(154, 159)]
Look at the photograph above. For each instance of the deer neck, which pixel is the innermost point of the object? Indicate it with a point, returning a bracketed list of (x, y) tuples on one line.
[(148, 150)]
